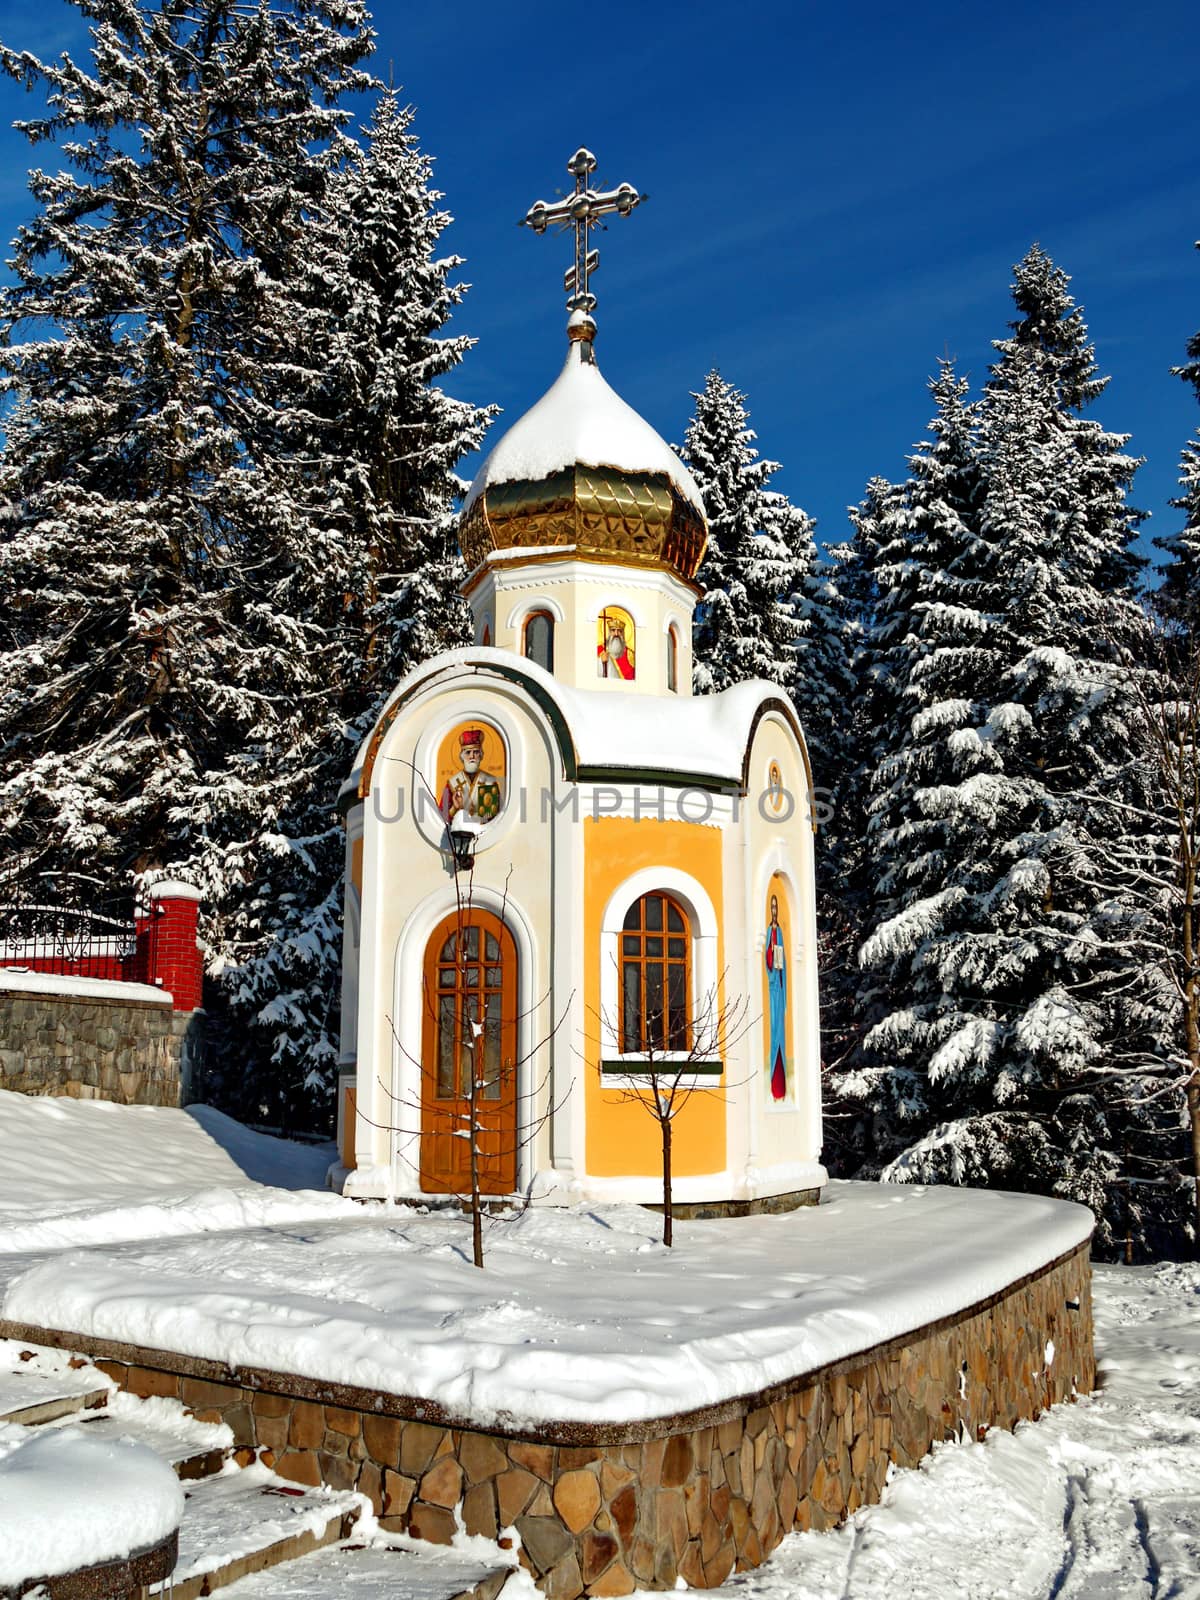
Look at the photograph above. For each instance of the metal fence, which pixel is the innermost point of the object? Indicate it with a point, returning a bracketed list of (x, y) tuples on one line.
[(67, 923)]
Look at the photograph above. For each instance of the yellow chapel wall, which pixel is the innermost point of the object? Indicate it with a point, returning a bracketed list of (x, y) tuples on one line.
[(623, 1140)]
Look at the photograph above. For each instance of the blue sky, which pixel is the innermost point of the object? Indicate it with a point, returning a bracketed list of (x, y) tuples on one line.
[(837, 196)]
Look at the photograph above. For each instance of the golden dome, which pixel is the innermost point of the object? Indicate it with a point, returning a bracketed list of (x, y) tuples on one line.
[(581, 474)]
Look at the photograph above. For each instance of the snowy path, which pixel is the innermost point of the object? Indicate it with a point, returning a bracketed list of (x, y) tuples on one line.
[(1099, 1501)]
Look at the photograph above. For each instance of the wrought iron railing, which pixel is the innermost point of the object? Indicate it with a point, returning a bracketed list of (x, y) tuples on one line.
[(71, 924)]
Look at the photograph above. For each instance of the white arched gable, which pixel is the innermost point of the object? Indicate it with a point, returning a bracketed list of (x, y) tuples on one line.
[(702, 915), (406, 761), (804, 806)]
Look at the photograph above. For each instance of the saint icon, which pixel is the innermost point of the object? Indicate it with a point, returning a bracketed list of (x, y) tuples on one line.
[(614, 652), (777, 1004), (472, 790)]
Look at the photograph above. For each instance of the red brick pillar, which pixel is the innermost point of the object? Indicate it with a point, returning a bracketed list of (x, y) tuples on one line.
[(175, 960)]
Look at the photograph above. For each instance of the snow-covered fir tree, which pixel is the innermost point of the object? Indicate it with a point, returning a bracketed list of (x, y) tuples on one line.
[(821, 680), (177, 691), (825, 692), (358, 402), (771, 607), (1190, 370), (843, 872), (760, 548), (154, 700), (1014, 1034), (1177, 600), (368, 356), (1172, 742), (916, 548), (823, 687)]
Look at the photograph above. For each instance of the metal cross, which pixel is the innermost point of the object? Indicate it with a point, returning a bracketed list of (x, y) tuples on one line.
[(582, 211)]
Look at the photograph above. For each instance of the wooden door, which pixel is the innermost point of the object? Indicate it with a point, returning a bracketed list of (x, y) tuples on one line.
[(470, 1016)]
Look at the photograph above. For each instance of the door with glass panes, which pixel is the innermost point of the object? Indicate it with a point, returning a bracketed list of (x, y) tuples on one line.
[(469, 1033)]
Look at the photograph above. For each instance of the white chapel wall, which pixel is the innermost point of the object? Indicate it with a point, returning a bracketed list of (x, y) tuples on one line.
[(781, 841), (407, 889)]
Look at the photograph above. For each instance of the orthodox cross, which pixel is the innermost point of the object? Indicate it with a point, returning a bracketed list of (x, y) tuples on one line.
[(582, 211)]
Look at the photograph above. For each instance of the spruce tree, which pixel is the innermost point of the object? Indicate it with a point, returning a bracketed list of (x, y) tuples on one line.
[(760, 548), (825, 691), (1177, 600), (156, 691), (365, 368), (1012, 1038), (821, 679), (357, 401), (922, 670), (1190, 370), (1172, 743), (192, 585)]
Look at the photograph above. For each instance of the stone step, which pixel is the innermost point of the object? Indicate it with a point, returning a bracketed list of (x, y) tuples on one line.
[(184, 1444), (434, 1573), (30, 1397), (242, 1521)]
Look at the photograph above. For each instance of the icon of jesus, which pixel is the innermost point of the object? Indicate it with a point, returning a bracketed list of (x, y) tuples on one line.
[(473, 791), (777, 1004)]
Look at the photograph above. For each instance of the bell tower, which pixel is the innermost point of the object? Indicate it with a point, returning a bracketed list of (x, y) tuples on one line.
[(583, 530)]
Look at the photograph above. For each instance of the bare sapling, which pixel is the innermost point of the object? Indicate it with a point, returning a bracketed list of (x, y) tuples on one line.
[(670, 1056)]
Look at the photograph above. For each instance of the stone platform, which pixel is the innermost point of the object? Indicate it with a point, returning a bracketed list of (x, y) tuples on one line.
[(605, 1507)]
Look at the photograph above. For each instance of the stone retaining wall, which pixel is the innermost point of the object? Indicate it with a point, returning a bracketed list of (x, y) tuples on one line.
[(131, 1577), (89, 1048), (605, 1508)]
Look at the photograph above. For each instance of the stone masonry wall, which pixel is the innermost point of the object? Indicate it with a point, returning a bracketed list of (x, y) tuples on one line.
[(128, 1051), (604, 1509)]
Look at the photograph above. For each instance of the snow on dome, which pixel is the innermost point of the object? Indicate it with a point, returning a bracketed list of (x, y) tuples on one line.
[(580, 420)]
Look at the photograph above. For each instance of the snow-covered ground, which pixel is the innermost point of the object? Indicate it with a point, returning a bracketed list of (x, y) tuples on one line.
[(121, 1217), (78, 1172), (1097, 1501), (581, 1314), (144, 1227), (63, 1156)]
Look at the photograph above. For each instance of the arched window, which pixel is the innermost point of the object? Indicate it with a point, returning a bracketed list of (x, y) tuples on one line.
[(672, 661), (539, 639), (485, 633), (656, 976)]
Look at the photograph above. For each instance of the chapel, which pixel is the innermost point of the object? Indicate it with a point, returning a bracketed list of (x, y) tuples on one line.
[(570, 881)]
